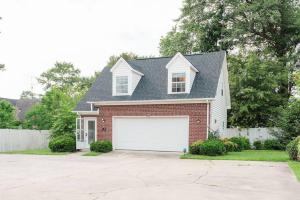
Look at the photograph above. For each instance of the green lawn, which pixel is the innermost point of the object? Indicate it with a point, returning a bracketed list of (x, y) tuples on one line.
[(35, 152), (92, 153), (251, 155), (295, 166)]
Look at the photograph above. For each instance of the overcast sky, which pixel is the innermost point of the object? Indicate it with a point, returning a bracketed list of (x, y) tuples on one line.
[(37, 33)]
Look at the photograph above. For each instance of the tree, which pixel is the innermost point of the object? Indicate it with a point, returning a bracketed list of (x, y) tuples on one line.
[(209, 25), (2, 67), (43, 115), (289, 122), (62, 75), (7, 115), (255, 83), (27, 94), (126, 55), (67, 78)]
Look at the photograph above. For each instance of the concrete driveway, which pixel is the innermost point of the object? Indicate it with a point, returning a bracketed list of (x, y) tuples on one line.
[(139, 176)]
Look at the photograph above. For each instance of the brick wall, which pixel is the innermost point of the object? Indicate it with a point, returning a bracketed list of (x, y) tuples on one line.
[(197, 117)]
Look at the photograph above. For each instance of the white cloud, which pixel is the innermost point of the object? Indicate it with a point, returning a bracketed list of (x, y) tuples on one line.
[(37, 33)]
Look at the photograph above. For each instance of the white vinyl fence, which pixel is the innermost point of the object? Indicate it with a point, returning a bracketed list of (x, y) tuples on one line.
[(15, 139), (252, 133)]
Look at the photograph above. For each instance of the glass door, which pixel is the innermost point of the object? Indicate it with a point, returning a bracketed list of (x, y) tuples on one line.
[(80, 138), (90, 131)]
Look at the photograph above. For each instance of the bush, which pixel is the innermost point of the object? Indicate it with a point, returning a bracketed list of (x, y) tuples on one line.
[(258, 145), (213, 135), (243, 143), (101, 146), (212, 148), (63, 143), (293, 149), (195, 147), (230, 146), (273, 144)]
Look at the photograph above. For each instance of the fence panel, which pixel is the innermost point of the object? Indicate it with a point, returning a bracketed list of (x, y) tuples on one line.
[(251, 133), (15, 139)]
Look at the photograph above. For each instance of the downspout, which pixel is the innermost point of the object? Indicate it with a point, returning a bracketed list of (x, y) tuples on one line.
[(207, 117)]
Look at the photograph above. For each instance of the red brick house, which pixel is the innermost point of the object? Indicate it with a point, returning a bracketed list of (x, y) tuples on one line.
[(160, 104)]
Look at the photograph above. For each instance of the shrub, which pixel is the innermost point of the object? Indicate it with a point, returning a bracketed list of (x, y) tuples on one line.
[(230, 146), (242, 143), (212, 148), (213, 135), (273, 144), (258, 145), (63, 143), (101, 146), (195, 147), (293, 149)]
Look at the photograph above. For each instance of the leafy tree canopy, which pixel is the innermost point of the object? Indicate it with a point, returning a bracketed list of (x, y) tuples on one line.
[(7, 115), (255, 83), (126, 55), (2, 67), (27, 94)]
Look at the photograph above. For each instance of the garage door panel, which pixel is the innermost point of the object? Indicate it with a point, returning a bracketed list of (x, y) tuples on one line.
[(150, 133)]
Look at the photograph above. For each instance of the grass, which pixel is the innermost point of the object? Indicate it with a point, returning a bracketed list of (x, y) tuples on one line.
[(35, 152), (247, 155), (295, 166), (92, 153)]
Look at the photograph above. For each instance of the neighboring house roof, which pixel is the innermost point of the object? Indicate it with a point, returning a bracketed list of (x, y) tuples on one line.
[(153, 85), (21, 106)]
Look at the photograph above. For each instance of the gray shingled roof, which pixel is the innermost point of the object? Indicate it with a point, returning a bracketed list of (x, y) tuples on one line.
[(153, 85)]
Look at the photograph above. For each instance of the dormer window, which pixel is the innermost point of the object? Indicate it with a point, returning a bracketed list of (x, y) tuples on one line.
[(178, 82), (121, 85)]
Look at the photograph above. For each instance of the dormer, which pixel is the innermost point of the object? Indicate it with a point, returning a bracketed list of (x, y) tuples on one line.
[(124, 78), (181, 75)]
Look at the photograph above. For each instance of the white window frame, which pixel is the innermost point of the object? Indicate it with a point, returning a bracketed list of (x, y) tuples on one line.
[(185, 82), (116, 79)]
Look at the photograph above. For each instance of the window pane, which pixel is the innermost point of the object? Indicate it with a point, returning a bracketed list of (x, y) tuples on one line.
[(178, 82), (121, 84)]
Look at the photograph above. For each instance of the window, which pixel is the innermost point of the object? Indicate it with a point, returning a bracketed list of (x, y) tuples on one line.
[(122, 84), (178, 82)]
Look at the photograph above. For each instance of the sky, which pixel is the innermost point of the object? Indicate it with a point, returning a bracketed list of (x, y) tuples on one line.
[(37, 33)]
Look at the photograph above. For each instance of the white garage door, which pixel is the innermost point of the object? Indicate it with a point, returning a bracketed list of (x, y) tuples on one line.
[(151, 133)]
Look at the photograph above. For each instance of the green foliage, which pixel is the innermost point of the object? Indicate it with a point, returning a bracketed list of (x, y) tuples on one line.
[(66, 77), (213, 135), (230, 146), (195, 147), (254, 87), (7, 115), (101, 146), (212, 148), (289, 122), (27, 94), (126, 55), (2, 67), (213, 25), (63, 143), (293, 149), (258, 145), (273, 144), (243, 143), (54, 109)]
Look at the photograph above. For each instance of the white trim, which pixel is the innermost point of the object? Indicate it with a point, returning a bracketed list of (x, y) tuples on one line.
[(145, 102), (207, 119), (87, 112), (151, 116), (184, 58), (123, 60)]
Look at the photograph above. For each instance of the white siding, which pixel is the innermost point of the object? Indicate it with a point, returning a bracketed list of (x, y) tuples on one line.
[(218, 117), (135, 80), (193, 74), (124, 70)]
